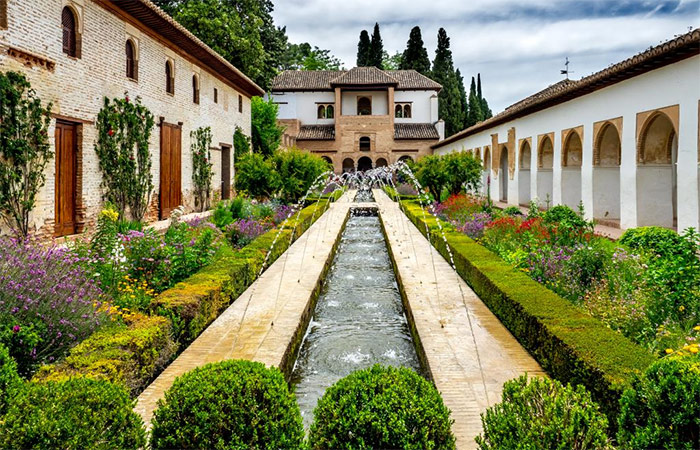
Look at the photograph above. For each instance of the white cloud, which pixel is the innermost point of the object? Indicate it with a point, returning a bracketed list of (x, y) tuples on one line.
[(518, 47)]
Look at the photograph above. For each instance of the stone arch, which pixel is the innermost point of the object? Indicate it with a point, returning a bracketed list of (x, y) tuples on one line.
[(381, 162), (524, 162), (545, 164), (503, 175), (607, 154), (364, 106), (348, 165), (321, 112), (571, 161), (327, 159), (364, 163), (657, 155), (485, 177), (545, 153)]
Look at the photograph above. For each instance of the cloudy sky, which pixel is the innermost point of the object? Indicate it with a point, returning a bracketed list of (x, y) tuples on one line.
[(518, 46)]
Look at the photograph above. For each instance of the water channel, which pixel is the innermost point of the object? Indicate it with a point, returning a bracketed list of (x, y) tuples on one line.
[(359, 319)]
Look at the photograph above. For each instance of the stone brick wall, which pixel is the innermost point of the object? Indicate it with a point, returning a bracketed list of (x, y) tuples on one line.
[(77, 86)]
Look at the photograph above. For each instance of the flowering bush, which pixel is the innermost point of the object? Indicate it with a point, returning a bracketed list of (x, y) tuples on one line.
[(242, 232), (48, 301), (458, 208)]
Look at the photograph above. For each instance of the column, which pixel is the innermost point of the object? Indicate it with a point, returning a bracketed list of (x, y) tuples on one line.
[(587, 170), (687, 166), (628, 172)]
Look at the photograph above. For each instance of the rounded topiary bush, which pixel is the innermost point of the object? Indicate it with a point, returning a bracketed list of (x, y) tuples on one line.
[(382, 407), (662, 407), (543, 414), (661, 241), (78, 413), (230, 404)]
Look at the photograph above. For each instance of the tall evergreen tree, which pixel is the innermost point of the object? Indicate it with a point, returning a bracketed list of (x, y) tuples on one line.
[(416, 56), (376, 53), (363, 50), (450, 105), (475, 114), (485, 110), (462, 97)]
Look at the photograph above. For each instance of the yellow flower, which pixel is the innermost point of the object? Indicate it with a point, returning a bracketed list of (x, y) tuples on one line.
[(669, 351), (697, 328), (693, 349), (681, 308)]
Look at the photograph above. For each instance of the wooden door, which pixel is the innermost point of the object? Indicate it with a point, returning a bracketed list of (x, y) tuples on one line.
[(66, 177), (225, 172), (170, 168)]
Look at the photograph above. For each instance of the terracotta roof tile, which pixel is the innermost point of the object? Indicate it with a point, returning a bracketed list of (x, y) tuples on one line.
[(315, 80), (415, 131), (316, 133), (682, 47)]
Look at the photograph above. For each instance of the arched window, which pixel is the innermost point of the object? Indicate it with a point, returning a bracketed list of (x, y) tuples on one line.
[(330, 112), (407, 111), (364, 106), (195, 89), (525, 156), (131, 61), (545, 153), (321, 112), (572, 154), (365, 144), (169, 78), (398, 112), (70, 32)]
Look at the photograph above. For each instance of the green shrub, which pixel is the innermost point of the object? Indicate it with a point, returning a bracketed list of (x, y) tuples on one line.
[(661, 241), (662, 407), (231, 404), (431, 174), (512, 211), (257, 176), (9, 379), (381, 407), (298, 170), (78, 413), (543, 414), (463, 170)]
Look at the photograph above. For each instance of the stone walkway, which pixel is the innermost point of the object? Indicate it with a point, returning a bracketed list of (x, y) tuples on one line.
[(245, 330), (469, 352)]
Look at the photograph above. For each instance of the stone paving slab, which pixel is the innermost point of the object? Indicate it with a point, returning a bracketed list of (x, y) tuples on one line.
[(282, 295), (469, 352)]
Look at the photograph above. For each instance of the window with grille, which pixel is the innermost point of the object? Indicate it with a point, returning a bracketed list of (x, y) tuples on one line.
[(240, 103), (169, 78), (70, 38), (131, 61), (195, 89)]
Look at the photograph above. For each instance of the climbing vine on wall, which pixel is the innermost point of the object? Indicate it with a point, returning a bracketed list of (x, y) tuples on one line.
[(123, 131), (201, 167), (24, 149)]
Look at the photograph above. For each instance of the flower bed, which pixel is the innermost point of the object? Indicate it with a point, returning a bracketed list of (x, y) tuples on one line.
[(569, 343)]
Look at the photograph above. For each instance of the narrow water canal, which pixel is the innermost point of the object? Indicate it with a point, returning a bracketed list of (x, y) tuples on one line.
[(359, 319)]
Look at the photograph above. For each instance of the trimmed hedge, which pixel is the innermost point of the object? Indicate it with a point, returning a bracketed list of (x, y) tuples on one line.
[(230, 404), (569, 344), (79, 413), (135, 354), (196, 302), (131, 355)]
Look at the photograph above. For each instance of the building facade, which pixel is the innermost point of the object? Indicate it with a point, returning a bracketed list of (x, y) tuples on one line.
[(77, 52), (361, 118), (623, 141)]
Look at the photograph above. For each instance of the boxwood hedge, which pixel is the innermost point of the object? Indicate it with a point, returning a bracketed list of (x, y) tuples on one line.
[(569, 344)]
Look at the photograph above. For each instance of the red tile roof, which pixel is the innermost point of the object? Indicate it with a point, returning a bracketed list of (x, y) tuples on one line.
[(415, 131), (316, 133), (325, 80)]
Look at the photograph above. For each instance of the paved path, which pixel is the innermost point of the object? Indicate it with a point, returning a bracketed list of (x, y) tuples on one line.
[(473, 354), (244, 330)]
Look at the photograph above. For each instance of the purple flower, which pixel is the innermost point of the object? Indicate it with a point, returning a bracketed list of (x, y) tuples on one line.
[(16, 329)]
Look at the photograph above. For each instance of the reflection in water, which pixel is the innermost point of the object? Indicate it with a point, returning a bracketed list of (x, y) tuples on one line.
[(359, 319)]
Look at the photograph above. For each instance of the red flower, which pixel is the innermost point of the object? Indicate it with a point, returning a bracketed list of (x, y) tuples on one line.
[(127, 99), (110, 133)]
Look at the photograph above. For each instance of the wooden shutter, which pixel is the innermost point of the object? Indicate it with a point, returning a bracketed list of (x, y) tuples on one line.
[(69, 32)]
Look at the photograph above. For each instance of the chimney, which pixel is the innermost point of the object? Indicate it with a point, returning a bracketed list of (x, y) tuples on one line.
[(440, 126)]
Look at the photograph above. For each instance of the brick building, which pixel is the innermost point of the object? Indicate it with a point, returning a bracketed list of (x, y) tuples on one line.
[(76, 52), (361, 118)]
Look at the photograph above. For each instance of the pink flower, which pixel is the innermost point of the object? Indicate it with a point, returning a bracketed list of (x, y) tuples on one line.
[(16, 329)]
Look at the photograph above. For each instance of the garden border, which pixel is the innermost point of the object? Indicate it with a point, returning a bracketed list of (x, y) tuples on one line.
[(569, 344), (185, 310)]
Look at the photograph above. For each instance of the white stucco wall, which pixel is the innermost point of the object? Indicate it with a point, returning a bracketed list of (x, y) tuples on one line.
[(675, 84), (303, 106), (379, 102), (420, 105)]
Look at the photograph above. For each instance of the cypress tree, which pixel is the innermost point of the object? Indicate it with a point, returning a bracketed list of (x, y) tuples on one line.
[(363, 50), (475, 114), (462, 97), (449, 101), (376, 52), (416, 56), (485, 110)]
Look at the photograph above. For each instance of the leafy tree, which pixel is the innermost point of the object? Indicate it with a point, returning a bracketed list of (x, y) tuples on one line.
[(266, 135), (123, 132), (24, 149), (376, 52), (241, 144), (297, 169), (474, 113), (431, 174), (303, 57), (485, 110), (363, 50), (257, 176), (415, 56), (201, 167), (463, 171), (391, 62), (450, 104)]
